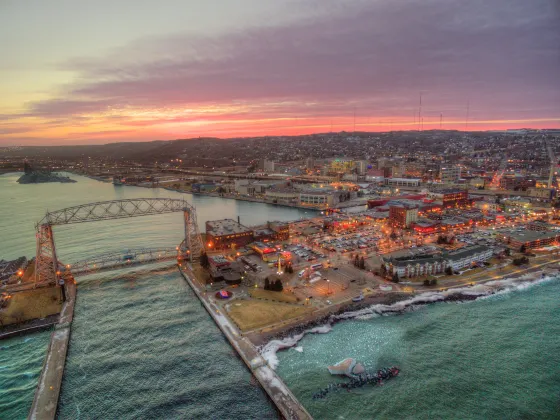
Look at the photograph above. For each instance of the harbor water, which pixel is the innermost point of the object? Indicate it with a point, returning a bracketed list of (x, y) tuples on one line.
[(494, 358), (142, 345)]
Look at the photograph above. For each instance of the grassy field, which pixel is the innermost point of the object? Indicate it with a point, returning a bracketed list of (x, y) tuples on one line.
[(251, 314), (283, 296), (31, 304)]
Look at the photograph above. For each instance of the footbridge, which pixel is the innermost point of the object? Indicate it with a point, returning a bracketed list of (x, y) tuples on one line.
[(48, 268)]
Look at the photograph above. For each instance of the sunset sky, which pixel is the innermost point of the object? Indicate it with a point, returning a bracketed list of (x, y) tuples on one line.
[(84, 72)]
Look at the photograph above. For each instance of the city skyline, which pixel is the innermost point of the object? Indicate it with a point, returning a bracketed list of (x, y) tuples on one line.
[(129, 73)]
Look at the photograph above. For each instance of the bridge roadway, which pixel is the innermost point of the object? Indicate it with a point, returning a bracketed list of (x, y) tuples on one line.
[(286, 403), (122, 259)]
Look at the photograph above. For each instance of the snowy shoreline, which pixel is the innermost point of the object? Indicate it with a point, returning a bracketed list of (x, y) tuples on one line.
[(480, 291)]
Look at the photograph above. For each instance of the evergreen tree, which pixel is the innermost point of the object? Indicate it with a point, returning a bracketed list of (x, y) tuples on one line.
[(362, 263), (357, 261), (523, 249), (278, 286), (449, 271), (383, 270), (266, 284), (204, 262), (395, 278)]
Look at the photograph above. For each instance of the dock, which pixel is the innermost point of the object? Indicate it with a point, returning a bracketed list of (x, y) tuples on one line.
[(286, 403), (45, 402)]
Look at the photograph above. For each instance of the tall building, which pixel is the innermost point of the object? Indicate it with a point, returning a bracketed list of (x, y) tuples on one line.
[(342, 166), (451, 197), (402, 215), (450, 174), (309, 163), (268, 166), (361, 167)]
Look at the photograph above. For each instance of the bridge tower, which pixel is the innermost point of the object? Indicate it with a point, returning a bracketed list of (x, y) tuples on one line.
[(46, 262), (192, 246)]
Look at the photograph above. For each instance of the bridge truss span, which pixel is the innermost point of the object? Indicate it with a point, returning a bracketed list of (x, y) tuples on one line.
[(116, 209), (47, 266)]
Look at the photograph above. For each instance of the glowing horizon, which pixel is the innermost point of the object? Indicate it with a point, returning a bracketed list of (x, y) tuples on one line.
[(308, 71)]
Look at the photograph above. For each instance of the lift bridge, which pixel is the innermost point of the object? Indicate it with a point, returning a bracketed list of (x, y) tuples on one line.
[(126, 258), (48, 268)]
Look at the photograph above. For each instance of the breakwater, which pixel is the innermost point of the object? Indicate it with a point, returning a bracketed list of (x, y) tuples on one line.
[(287, 404), (45, 402)]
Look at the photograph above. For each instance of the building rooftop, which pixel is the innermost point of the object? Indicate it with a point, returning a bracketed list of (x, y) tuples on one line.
[(405, 179), (218, 259), (466, 251), (451, 191), (225, 227), (283, 189), (531, 235)]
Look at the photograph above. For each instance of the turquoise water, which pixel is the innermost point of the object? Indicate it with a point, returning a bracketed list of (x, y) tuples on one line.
[(21, 360), (497, 357), (21, 206), (141, 346), (144, 347)]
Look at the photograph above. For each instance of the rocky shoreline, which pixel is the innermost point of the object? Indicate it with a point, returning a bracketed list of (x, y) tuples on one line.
[(268, 345)]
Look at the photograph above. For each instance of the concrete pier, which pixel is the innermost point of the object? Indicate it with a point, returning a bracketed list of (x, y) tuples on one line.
[(45, 402), (287, 404)]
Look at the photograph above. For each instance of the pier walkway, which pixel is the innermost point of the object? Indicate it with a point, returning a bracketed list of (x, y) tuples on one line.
[(287, 404), (45, 402)]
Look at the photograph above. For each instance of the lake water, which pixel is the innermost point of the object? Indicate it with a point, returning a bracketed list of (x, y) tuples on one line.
[(142, 346)]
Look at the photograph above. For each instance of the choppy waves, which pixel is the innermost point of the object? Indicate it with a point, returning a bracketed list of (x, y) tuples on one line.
[(462, 294)]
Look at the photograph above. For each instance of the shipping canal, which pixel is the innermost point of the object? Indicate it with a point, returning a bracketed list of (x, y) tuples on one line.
[(142, 345)]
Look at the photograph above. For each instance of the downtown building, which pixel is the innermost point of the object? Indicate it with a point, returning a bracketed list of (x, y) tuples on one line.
[(402, 215), (437, 263), (227, 233)]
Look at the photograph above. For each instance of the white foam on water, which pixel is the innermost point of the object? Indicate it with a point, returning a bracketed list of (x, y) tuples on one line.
[(486, 290)]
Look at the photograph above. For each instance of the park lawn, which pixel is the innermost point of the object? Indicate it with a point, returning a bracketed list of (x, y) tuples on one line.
[(251, 314), (31, 304), (283, 296)]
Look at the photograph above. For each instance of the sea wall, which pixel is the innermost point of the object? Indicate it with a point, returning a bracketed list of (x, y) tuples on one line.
[(287, 404)]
